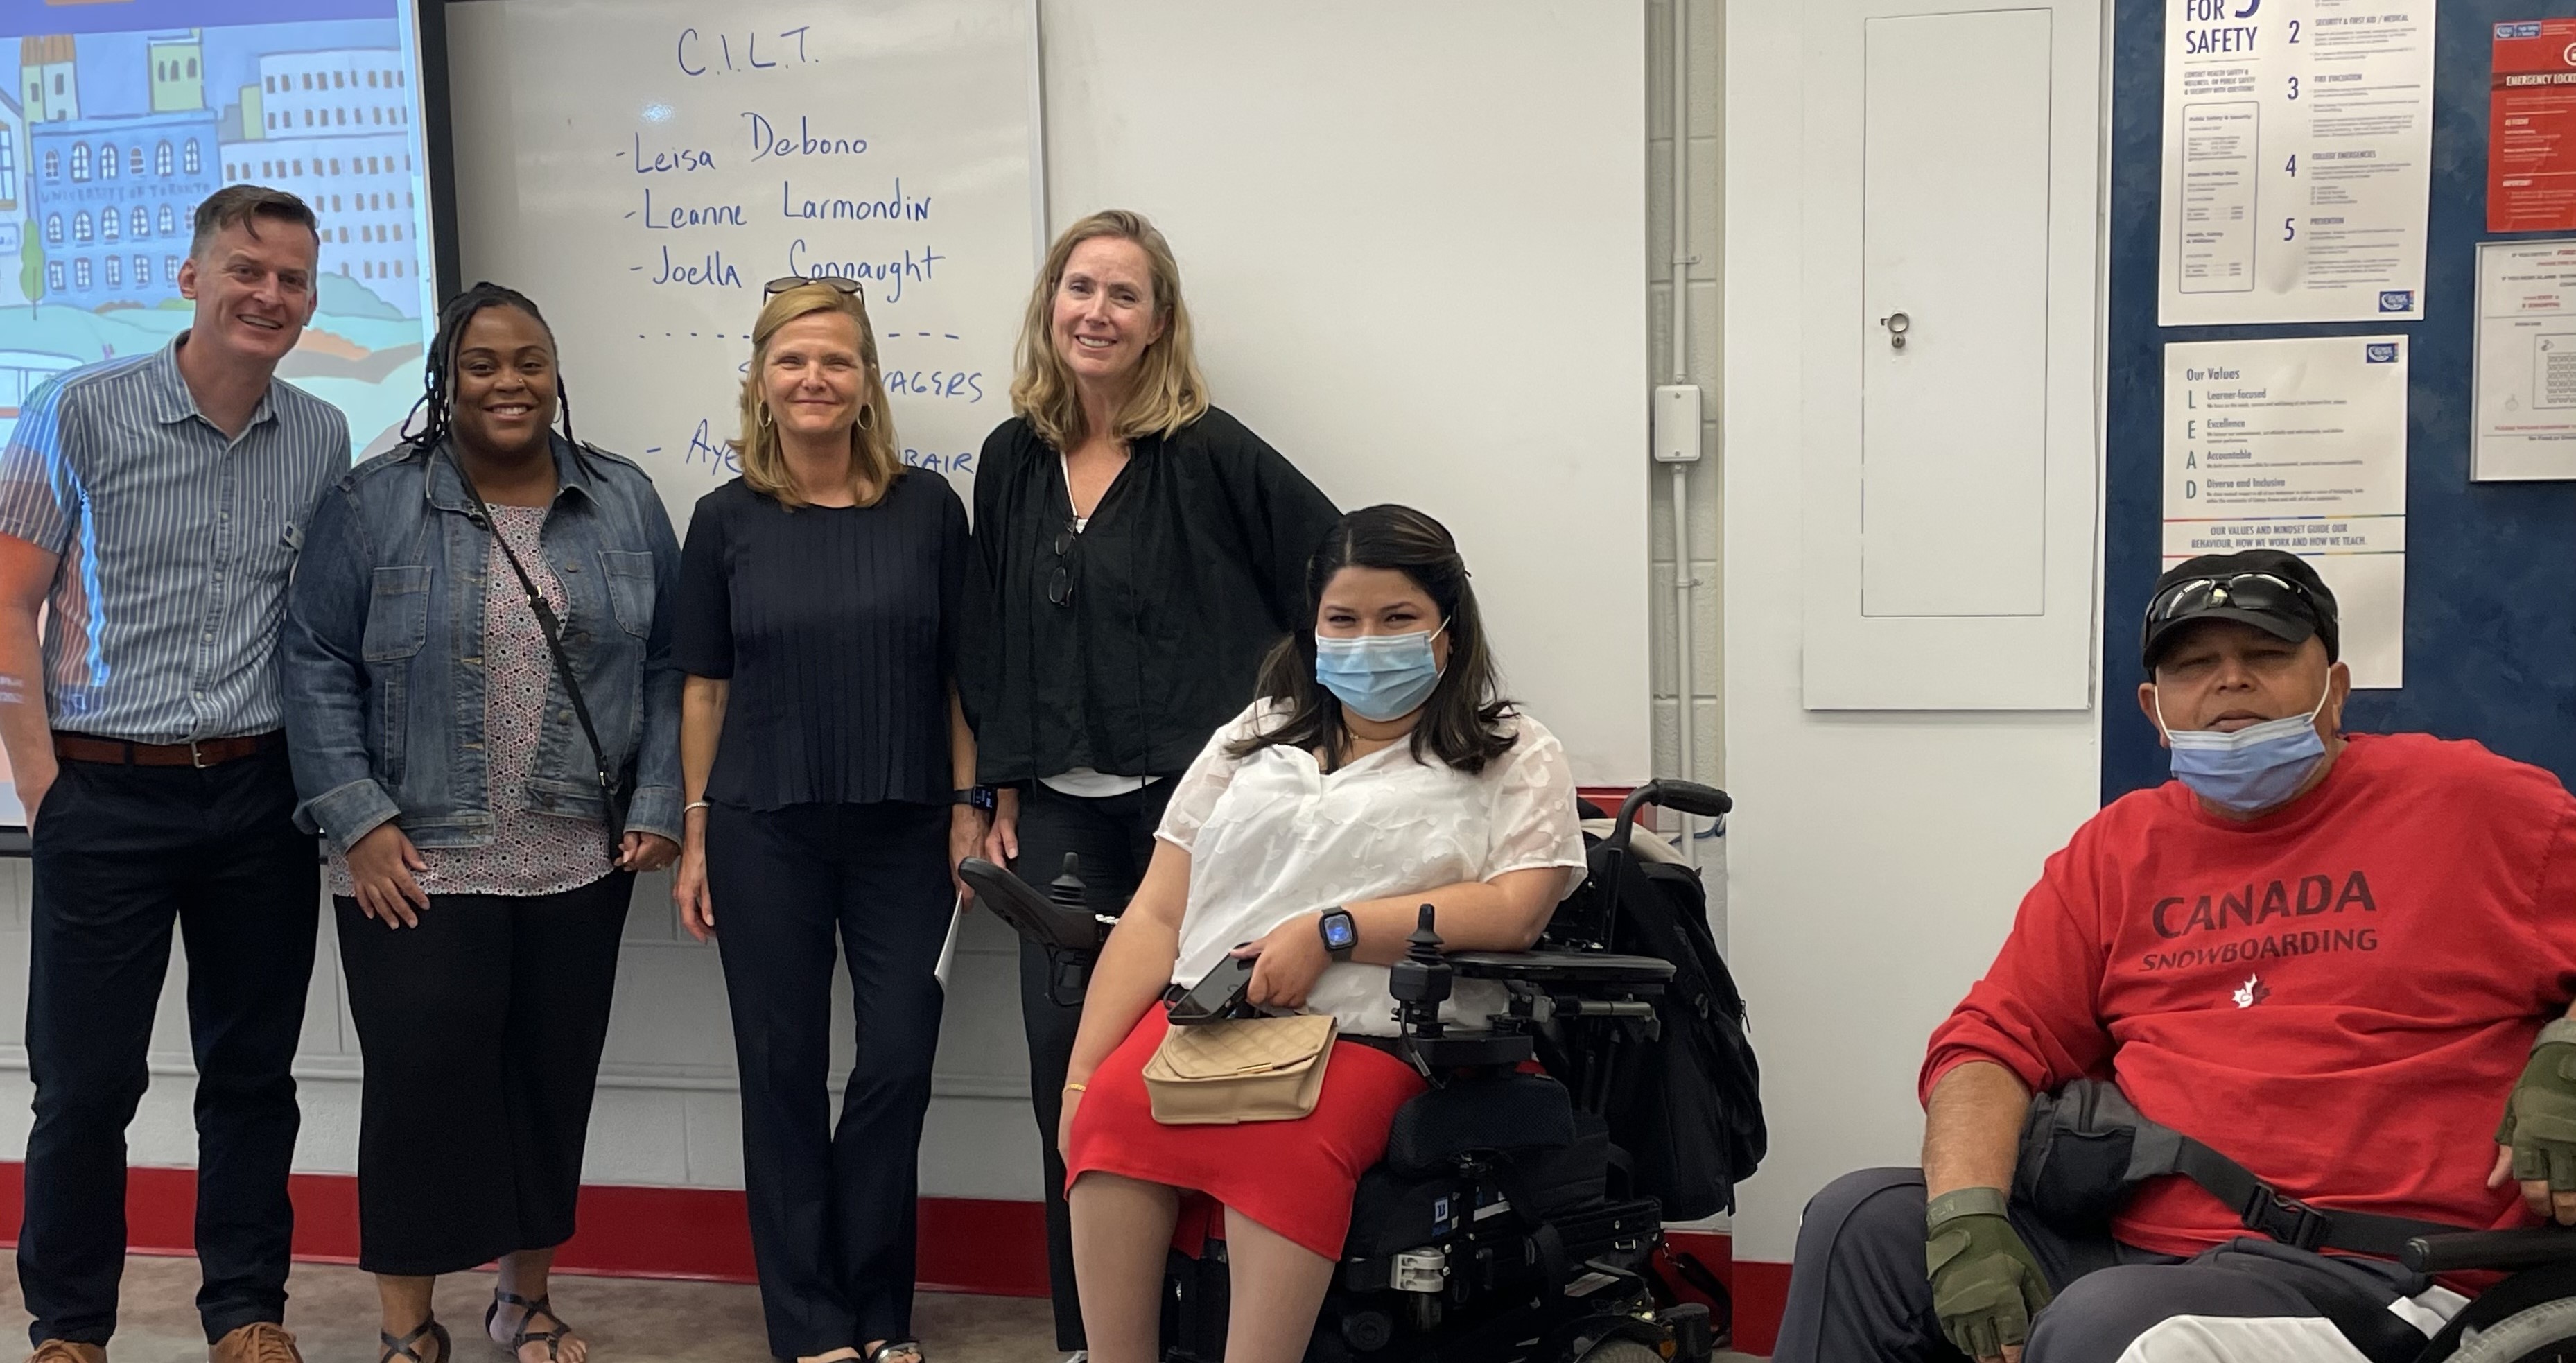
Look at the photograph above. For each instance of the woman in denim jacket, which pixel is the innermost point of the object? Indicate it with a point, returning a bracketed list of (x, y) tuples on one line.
[(480, 869)]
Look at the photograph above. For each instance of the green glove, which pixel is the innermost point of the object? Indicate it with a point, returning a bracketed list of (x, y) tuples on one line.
[(2540, 1118), (1985, 1284)]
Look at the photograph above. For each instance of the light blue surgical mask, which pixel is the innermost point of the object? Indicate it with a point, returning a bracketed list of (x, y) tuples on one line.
[(2254, 768), (1379, 676)]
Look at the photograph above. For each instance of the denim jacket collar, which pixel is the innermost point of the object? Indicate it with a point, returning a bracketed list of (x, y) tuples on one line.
[(446, 491)]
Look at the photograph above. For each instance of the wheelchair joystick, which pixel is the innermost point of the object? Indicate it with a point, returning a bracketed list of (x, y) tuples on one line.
[(1066, 890), (1422, 980)]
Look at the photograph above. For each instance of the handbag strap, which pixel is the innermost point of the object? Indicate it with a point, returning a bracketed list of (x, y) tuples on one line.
[(547, 625)]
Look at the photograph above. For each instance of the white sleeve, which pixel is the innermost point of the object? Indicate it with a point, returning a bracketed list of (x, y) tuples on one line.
[(1535, 823), (1195, 794)]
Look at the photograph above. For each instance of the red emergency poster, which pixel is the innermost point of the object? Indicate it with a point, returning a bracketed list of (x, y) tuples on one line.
[(2531, 128)]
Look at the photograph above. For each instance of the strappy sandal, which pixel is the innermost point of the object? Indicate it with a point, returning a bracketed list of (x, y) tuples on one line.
[(894, 1348), (407, 1346), (553, 1339)]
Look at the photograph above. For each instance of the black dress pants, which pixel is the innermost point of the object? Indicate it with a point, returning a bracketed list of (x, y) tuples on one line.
[(1114, 837), (481, 1029), (832, 1214), (121, 854)]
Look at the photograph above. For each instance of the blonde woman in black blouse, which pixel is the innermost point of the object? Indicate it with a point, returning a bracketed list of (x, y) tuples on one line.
[(822, 751)]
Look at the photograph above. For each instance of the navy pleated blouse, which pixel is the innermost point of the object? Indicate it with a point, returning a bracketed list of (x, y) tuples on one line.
[(837, 628)]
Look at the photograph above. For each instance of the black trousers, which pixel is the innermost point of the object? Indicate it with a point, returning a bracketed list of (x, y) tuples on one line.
[(1858, 1293), (481, 1030), (1114, 837), (121, 855), (832, 1215)]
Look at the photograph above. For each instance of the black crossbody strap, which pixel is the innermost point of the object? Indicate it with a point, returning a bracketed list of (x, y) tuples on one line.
[(552, 629)]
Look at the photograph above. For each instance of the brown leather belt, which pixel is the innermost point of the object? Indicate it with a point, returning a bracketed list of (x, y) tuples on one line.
[(203, 752)]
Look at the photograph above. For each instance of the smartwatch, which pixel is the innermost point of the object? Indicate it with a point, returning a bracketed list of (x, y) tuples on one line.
[(1339, 932), (981, 797)]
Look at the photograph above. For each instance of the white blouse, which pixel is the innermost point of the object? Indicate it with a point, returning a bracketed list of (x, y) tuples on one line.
[(1271, 836)]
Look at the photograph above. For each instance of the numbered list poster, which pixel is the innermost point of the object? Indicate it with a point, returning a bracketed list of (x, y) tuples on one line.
[(2297, 161)]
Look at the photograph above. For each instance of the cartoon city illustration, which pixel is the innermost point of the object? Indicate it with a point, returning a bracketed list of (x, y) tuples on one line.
[(109, 139)]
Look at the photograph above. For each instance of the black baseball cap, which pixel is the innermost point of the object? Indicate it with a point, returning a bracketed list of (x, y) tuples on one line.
[(2273, 591)]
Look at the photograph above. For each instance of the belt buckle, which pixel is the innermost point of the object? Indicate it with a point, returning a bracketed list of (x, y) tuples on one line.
[(2282, 1217), (196, 755)]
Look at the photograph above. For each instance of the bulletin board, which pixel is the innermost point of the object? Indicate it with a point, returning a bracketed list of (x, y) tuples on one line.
[(2491, 568)]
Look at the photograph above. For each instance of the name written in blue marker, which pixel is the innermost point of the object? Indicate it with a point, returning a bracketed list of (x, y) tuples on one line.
[(895, 271), (895, 207), (768, 139), (661, 162), (670, 217), (713, 272)]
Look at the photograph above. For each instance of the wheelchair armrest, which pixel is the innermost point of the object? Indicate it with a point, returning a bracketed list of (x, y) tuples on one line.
[(2501, 1250), (1027, 912), (1573, 971)]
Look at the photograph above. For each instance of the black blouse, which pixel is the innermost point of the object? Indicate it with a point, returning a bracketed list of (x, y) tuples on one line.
[(1192, 566), (838, 630)]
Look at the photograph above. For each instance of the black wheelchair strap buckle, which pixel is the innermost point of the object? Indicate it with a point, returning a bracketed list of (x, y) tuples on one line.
[(2282, 1217)]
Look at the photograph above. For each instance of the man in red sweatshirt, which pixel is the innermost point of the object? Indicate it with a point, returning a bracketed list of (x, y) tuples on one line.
[(2336, 959)]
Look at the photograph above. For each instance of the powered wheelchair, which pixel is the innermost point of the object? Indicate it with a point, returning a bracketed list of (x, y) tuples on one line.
[(1503, 1225)]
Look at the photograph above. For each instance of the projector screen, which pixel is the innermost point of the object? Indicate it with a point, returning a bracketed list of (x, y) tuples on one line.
[(117, 118)]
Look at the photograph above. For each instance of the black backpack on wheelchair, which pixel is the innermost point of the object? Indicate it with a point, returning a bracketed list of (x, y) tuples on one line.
[(1687, 1109)]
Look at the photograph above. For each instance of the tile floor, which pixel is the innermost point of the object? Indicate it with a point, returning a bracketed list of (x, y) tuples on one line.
[(627, 1320)]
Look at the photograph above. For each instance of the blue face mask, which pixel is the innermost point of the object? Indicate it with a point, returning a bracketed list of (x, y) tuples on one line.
[(2254, 768), (1378, 676)]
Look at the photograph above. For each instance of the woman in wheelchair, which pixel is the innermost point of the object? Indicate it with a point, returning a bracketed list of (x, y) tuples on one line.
[(1379, 771)]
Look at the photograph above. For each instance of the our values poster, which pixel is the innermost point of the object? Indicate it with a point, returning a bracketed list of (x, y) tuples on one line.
[(2297, 161), (2299, 445), (2531, 127)]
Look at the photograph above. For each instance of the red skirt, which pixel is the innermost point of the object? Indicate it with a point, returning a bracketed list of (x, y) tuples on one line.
[(1296, 1178)]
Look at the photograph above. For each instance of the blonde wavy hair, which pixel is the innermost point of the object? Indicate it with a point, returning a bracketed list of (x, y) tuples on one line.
[(874, 461), (1169, 391)]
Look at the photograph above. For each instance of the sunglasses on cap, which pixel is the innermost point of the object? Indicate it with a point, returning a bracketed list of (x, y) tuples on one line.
[(2262, 592), (785, 282)]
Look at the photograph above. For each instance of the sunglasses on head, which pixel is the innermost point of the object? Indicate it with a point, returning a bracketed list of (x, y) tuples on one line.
[(785, 282), (2246, 591)]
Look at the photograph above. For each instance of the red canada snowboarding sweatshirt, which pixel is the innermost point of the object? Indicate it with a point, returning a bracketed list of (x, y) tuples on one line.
[(2338, 995)]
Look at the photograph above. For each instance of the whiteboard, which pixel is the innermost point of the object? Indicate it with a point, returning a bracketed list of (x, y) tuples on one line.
[(641, 168), (1413, 240)]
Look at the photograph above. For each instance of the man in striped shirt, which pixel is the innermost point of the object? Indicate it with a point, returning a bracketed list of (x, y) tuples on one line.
[(150, 512)]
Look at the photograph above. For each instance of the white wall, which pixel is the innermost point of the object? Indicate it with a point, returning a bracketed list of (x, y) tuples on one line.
[(1875, 859), (1414, 269)]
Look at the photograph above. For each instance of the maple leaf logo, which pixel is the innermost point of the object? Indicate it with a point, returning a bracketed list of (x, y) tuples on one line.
[(2252, 992)]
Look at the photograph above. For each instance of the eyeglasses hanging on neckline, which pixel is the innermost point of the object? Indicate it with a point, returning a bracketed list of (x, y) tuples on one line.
[(1060, 582)]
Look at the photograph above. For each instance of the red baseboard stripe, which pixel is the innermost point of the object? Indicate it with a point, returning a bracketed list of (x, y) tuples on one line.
[(979, 1245)]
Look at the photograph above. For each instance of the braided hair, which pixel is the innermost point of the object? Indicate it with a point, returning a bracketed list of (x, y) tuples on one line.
[(436, 410)]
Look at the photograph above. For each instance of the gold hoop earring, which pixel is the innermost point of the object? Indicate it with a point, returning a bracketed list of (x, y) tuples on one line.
[(867, 415), (763, 409)]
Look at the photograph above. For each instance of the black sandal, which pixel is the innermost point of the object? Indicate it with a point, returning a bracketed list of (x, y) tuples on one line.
[(404, 1347), (893, 1347), (553, 1339)]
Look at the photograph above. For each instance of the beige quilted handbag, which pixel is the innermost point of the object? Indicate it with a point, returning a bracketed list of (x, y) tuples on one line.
[(1239, 1070)]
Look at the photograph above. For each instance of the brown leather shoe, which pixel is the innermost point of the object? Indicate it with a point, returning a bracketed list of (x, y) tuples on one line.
[(65, 1351), (258, 1342)]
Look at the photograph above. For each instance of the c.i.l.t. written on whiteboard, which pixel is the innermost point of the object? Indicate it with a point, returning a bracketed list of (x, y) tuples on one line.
[(644, 168), (2298, 140)]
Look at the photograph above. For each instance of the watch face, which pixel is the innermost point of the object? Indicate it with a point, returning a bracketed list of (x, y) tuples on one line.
[(1339, 934)]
